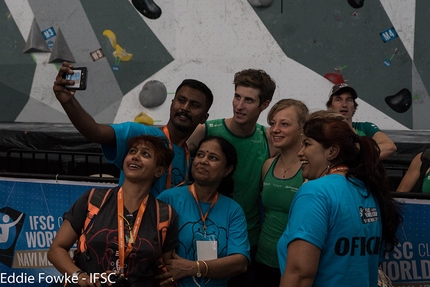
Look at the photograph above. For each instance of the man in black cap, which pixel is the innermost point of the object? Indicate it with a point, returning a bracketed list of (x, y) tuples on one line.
[(342, 101)]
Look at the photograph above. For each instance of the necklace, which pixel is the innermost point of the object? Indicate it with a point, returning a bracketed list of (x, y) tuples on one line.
[(340, 168), (285, 170)]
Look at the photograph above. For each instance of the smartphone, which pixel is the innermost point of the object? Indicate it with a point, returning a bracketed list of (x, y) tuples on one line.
[(80, 77)]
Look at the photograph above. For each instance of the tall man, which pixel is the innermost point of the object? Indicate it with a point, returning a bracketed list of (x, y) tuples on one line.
[(254, 90), (188, 109), (342, 101)]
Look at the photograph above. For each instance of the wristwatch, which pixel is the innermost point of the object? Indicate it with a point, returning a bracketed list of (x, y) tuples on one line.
[(199, 274)]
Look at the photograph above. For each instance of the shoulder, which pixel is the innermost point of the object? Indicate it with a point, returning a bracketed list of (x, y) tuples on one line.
[(136, 129), (169, 195), (266, 166), (215, 123)]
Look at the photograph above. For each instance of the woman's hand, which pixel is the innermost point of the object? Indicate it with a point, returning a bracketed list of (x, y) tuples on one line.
[(177, 268)]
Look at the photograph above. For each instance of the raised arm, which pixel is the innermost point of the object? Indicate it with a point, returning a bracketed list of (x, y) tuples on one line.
[(83, 122), (412, 175), (194, 140), (386, 145)]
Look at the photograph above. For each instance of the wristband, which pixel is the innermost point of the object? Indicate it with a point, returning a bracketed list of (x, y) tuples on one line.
[(207, 268), (199, 274)]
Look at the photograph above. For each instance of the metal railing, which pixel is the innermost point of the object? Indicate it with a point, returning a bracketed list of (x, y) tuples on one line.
[(70, 165)]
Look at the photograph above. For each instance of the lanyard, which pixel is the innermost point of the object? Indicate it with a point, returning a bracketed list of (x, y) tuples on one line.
[(187, 156), (133, 233), (203, 216)]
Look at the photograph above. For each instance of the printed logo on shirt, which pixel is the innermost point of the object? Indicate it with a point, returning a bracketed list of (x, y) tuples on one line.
[(368, 214)]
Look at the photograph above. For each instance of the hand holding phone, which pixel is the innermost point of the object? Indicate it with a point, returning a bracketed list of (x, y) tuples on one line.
[(79, 76)]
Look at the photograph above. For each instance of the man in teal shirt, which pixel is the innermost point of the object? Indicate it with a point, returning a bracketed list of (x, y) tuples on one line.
[(342, 101)]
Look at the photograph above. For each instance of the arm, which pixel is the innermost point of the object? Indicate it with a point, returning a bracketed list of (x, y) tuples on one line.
[(302, 264), (194, 140), (83, 122), (59, 256), (411, 176), (385, 144), (224, 267)]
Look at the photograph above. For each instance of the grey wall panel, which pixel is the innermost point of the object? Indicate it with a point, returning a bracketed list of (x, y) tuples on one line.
[(16, 68), (323, 35), (133, 35)]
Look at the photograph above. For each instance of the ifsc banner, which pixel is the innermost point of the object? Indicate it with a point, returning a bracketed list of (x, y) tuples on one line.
[(31, 213), (408, 265)]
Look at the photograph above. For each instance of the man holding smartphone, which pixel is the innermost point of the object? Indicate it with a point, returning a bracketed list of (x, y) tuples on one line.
[(189, 108)]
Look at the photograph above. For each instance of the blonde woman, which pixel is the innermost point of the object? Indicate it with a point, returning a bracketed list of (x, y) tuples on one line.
[(281, 177)]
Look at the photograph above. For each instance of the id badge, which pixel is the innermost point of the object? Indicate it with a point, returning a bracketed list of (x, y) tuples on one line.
[(207, 250)]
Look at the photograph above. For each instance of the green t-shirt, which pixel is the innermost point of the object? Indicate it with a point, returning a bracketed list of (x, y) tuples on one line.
[(365, 128), (426, 183), (252, 152)]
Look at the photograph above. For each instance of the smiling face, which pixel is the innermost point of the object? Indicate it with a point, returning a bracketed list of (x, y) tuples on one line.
[(344, 105), (188, 109), (210, 164), (284, 128), (246, 105), (140, 163), (314, 158)]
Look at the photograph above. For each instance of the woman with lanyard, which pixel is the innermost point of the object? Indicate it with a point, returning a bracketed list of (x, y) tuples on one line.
[(213, 241), (343, 218), (123, 238)]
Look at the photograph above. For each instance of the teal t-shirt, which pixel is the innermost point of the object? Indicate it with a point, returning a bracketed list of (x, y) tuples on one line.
[(341, 219), (116, 154), (426, 183), (252, 152), (365, 128)]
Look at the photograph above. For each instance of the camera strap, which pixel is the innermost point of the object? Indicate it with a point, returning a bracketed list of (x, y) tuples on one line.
[(123, 253)]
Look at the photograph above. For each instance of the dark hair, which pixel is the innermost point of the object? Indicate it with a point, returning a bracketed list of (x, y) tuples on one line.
[(226, 186), (163, 154), (361, 156), (197, 85), (257, 79)]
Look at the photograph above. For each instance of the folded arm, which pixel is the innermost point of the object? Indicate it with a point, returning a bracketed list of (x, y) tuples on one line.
[(386, 145), (224, 267)]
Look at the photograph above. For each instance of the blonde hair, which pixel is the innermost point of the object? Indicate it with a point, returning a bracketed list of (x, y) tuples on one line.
[(302, 110)]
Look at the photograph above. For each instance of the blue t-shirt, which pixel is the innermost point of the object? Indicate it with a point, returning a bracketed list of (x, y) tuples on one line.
[(225, 223), (343, 221), (116, 154)]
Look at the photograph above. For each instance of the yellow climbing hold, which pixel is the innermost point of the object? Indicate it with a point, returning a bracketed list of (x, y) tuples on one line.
[(122, 54), (144, 119), (111, 36)]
